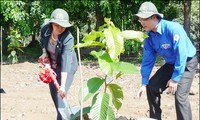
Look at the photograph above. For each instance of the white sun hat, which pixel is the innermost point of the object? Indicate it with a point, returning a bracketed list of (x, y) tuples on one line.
[(60, 17), (147, 9)]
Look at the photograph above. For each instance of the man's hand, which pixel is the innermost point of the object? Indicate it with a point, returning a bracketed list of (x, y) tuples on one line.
[(172, 86), (141, 91)]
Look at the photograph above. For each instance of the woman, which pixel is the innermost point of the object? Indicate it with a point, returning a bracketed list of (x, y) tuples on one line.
[(57, 43), (169, 40)]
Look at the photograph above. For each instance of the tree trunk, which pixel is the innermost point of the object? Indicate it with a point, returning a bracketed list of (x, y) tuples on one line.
[(187, 16), (99, 17), (33, 42)]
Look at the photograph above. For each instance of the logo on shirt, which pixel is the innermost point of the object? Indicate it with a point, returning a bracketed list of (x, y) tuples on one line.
[(165, 46), (176, 37)]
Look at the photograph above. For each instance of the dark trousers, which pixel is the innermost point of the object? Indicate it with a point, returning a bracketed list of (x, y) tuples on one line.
[(54, 94), (157, 85)]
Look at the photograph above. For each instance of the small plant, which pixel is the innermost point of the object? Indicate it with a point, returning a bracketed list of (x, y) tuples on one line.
[(111, 41), (14, 46)]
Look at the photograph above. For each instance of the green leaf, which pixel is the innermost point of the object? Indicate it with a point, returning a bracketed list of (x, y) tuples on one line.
[(14, 44), (89, 44), (100, 104), (101, 55), (105, 62), (125, 68), (107, 20), (110, 114), (91, 88), (106, 67), (20, 50), (13, 53), (119, 75), (18, 35), (134, 35), (101, 28), (9, 56), (117, 95), (93, 35), (109, 67), (114, 42), (14, 60)]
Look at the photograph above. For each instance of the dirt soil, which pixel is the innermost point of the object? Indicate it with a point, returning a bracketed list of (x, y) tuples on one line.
[(27, 98)]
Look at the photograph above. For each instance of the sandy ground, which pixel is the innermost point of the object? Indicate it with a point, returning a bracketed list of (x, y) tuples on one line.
[(27, 98)]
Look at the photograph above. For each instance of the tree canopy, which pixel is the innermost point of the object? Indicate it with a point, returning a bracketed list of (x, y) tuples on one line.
[(25, 17)]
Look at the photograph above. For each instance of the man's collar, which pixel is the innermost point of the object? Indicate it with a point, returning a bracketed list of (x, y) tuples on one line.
[(159, 30)]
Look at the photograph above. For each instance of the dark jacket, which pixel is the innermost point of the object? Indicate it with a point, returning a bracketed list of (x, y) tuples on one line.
[(66, 57)]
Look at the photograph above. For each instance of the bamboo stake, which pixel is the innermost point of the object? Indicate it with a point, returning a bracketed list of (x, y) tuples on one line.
[(79, 58), (1, 46)]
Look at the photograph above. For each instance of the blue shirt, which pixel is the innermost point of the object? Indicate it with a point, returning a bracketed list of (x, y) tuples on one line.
[(171, 42)]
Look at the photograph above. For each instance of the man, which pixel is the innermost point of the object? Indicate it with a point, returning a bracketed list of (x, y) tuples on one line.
[(168, 40)]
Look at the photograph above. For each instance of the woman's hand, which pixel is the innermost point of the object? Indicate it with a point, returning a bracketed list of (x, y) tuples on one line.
[(141, 91), (44, 57), (61, 91)]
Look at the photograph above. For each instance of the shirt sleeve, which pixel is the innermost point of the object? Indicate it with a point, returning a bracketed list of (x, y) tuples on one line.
[(148, 61), (68, 55), (179, 37)]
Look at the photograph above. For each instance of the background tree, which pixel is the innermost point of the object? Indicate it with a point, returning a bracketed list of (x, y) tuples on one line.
[(26, 17), (187, 16)]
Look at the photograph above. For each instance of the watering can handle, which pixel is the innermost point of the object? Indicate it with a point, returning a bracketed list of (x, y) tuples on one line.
[(45, 61)]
